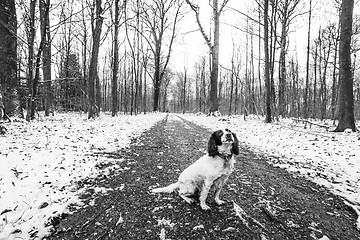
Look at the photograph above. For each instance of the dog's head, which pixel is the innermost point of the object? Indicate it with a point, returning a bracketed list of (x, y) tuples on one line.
[(223, 142)]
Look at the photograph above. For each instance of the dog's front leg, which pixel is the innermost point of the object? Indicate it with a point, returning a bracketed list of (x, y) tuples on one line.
[(220, 183), (203, 195), (217, 194)]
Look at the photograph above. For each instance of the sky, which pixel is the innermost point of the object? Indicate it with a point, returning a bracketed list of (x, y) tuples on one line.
[(191, 46)]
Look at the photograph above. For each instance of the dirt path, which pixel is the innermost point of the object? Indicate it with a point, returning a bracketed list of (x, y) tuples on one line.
[(263, 202)]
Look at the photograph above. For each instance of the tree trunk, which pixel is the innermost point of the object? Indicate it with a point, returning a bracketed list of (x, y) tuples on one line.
[(282, 68), (9, 83), (184, 90), (214, 75), (98, 99), (272, 50), (214, 50), (145, 62), (93, 109), (315, 80), (30, 115), (30, 63), (203, 83), (259, 65), (231, 92), (114, 85), (157, 80), (323, 87), (84, 57), (346, 97), (45, 26), (307, 87), (334, 83), (34, 80), (267, 64)]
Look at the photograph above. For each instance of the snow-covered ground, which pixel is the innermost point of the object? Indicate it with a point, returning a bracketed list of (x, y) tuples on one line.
[(41, 162), (327, 158)]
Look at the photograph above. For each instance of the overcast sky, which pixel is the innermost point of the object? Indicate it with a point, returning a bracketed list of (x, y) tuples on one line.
[(191, 45)]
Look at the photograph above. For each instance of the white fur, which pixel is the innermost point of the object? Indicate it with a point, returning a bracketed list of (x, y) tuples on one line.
[(202, 175)]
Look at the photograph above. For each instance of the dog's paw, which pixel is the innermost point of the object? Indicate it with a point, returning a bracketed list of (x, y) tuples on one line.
[(204, 206), (219, 201), (187, 199)]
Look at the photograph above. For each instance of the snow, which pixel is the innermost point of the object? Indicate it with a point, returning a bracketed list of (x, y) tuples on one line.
[(42, 161), (327, 158)]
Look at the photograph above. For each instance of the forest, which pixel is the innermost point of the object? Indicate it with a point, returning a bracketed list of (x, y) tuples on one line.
[(123, 56), (102, 101)]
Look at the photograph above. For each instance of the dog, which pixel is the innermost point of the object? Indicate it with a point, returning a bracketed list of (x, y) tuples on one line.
[(209, 172)]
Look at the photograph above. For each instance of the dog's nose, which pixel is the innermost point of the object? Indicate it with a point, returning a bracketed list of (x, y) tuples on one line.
[(228, 136)]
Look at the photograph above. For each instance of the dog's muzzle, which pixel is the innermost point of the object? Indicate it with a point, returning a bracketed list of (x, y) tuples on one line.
[(229, 137)]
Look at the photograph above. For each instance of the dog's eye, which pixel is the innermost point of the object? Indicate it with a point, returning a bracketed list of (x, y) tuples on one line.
[(227, 130), (220, 133)]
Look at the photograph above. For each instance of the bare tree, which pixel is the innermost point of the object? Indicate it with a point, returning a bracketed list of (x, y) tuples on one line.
[(324, 62), (267, 64), (133, 22), (84, 52), (93, 73), (30, 64), (346, 96), (201, 78), (235, 79), (8, 60), (287, 13), (334, 74), (114, 81), (161, 19), (35, 77), (307, 85), (165, 88), (213, 47), (184, 89), (46, 57)]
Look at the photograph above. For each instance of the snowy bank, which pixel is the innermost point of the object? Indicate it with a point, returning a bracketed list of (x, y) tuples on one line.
[(41, 162)]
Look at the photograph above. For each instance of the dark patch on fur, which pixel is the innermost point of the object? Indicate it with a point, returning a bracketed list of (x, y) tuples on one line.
[(214, 141), (235, 149)]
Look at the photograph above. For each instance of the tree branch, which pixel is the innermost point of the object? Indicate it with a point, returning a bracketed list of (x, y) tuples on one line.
[(195, 8), (223, 5)]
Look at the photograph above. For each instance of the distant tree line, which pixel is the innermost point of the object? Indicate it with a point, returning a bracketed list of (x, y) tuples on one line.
[(113, 55), (268, 80)]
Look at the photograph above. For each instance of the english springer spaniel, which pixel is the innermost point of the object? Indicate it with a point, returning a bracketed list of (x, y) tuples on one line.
[(209, 172)]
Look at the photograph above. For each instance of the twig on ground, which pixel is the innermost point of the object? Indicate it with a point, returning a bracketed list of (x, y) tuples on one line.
[(244, 217), (311, 133), (271, 214), (310, 123), (94, 217)]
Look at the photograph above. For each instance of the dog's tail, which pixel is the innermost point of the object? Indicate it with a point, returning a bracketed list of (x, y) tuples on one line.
[(167, 189)]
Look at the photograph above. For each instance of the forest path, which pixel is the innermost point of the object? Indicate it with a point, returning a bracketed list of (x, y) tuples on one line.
[(263, 202)]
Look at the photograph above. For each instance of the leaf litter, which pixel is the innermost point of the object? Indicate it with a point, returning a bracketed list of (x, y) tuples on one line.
[(57, 159)]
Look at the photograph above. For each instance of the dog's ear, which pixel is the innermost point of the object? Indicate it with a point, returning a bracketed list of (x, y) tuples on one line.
[(235, 146), (212, 145)]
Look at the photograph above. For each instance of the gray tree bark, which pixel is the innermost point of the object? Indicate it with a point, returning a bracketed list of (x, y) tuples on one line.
[(346, 95), (93, 73), (8, 60)]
